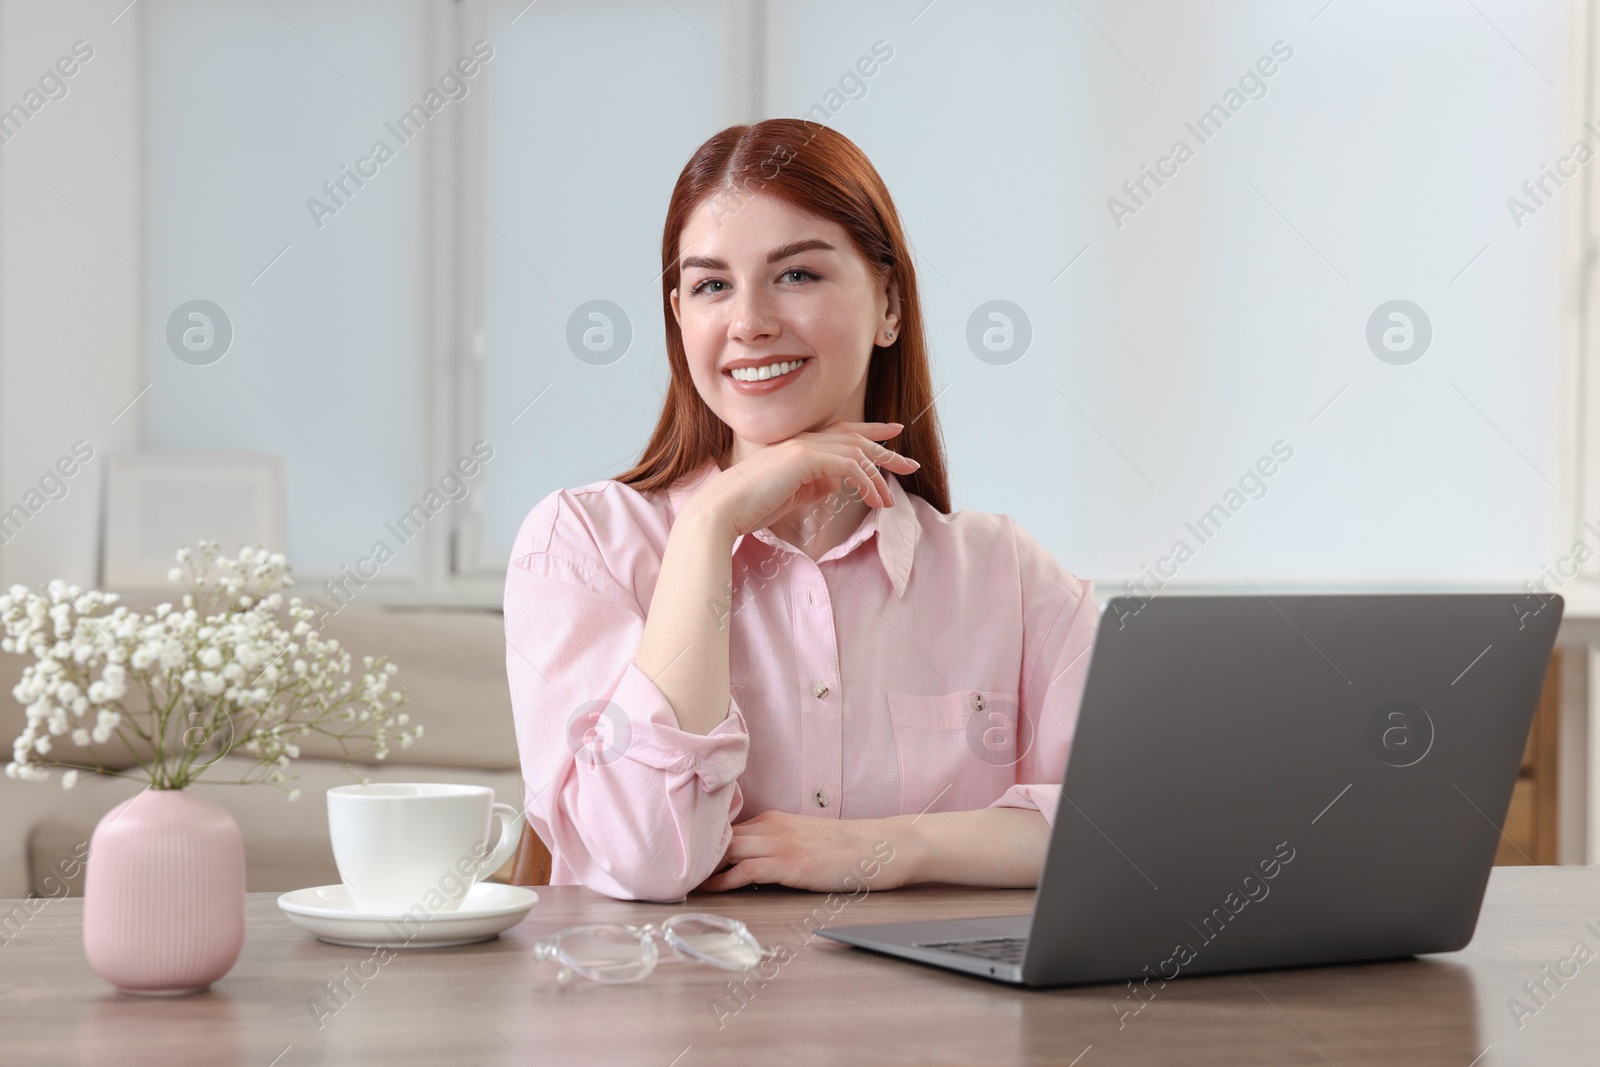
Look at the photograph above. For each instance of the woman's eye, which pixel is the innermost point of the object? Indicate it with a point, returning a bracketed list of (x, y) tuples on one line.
[(709, 281), (800, 271)]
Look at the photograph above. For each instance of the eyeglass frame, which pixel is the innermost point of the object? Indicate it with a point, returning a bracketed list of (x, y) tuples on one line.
[(549, 948)]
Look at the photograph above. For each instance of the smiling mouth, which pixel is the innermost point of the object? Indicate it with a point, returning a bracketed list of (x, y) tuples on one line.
[(768, 372)]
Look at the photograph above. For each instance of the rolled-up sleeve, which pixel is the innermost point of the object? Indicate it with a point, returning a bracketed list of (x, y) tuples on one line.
[(1060, 617), (632, 805)]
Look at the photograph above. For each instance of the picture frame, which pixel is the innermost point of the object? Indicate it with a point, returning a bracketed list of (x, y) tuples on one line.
[(158, 502)]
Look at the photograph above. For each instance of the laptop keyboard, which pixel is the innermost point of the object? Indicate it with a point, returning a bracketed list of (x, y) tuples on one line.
[(1000, 949)]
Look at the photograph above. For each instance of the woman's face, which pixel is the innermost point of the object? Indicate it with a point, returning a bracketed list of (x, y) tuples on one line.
[(765, 284)]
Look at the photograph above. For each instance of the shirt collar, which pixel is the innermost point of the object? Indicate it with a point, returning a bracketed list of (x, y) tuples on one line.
[(897, 527)]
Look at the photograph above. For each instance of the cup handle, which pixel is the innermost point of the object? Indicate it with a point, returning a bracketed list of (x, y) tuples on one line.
[(511, 823)]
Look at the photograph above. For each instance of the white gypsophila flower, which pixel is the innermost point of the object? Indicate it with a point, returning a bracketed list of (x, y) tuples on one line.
[(69, 779), (223, 651)]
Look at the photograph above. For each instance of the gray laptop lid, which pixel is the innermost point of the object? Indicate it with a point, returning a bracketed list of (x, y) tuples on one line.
[(1260, 781)]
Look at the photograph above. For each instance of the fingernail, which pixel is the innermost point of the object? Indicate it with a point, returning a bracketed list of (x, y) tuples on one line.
[(914, 463)]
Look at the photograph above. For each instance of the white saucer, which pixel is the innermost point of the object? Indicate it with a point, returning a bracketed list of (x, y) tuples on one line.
[(328, 912)]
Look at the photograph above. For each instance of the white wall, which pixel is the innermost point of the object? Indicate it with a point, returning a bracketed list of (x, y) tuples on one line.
[(70, 299)]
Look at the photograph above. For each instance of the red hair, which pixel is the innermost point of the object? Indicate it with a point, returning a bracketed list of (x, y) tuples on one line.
[(820, 171)]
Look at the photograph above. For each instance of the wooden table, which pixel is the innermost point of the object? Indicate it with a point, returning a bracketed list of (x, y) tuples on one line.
[(830, 1005)]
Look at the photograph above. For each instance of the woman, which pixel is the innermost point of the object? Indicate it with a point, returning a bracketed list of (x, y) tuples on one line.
[(768, 652)]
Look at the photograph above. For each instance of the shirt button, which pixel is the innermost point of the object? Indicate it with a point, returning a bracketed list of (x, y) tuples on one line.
[(977, 701), (819, 690), (822, 799)]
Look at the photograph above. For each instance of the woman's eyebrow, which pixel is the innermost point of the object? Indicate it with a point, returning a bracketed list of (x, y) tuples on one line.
[(792, 249)]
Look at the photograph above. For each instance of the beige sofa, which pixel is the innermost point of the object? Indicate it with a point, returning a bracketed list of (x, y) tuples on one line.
[(453, 672)]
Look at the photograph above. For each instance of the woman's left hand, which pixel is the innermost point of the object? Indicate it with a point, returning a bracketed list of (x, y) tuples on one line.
[(805, 852)]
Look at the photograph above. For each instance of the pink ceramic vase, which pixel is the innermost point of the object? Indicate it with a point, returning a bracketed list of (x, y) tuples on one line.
[(163, 908)]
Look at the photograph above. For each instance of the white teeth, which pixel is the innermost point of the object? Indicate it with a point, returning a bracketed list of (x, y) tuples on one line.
[(761, 374)]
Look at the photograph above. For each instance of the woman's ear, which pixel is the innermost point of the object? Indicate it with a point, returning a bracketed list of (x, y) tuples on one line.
[(676, 314), (891, 315)]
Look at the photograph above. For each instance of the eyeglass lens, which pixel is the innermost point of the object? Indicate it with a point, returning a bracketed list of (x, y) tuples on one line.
[(608, 953), (712, 939)]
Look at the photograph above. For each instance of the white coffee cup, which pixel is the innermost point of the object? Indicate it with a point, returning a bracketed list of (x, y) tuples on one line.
[(404, 845)]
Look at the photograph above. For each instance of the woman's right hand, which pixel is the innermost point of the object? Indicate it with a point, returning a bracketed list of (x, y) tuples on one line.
[(804, 470)]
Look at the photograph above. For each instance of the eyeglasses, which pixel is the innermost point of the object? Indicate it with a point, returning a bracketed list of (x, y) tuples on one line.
[(617, 952)]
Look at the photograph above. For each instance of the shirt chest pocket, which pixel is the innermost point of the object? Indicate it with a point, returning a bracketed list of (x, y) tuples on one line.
[(957, 751)]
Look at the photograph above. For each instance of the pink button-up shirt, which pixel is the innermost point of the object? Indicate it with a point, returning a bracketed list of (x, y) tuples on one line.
[(928, 663)]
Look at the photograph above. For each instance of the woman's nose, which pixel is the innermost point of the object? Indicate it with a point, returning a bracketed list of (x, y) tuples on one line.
[(753, 320)]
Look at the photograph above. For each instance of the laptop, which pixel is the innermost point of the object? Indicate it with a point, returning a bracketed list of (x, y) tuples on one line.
[(1269, 781)]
